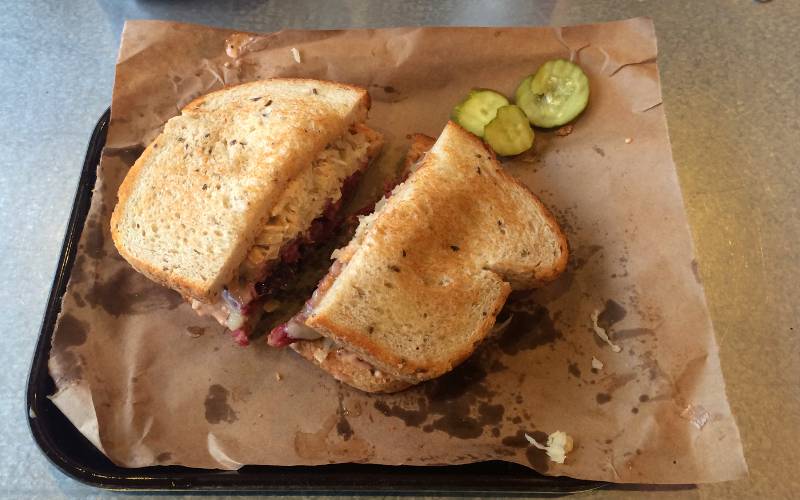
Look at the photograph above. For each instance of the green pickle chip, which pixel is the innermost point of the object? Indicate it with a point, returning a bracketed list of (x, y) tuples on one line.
[(509, 133), (478, 109), (555, 94)]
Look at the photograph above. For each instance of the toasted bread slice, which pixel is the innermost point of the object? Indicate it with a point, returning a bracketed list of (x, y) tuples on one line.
[(192, 205), (346, 367), (340, 363), (420, 285)]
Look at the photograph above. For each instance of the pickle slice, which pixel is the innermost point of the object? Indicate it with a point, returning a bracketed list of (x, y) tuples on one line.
[(555, 95), (509, 133), (478, 109)]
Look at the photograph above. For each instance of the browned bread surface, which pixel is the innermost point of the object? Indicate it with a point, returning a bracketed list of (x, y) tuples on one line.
[(427, 273), (193, 203)]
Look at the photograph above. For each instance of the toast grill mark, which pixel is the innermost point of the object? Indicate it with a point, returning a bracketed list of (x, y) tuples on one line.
[(217, 408)]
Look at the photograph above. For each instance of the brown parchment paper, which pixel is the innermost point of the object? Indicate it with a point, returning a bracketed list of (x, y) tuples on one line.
[(149, 382)]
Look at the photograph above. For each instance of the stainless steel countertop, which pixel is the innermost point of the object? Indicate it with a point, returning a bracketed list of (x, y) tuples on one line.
[(730, 81)]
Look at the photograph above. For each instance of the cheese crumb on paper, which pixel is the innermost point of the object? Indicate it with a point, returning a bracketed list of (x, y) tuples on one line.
[(558, 445), (296, 55), (600, 331), (597, 364)]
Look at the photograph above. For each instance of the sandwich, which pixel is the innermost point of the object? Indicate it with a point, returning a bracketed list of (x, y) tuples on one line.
[(236, 186), (420, 285)]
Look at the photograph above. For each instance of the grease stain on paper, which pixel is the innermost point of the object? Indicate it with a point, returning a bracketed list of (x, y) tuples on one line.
[(343, 427), (458, 404), (632, 333), (612, 313), (78, 273), (128, 292), (70, 332), (217, 408), (319, 444), (128, 156), (528, 331), (617, 381), (195, 331), (583, 255), (95, 239), (536, 458), (76, 297)]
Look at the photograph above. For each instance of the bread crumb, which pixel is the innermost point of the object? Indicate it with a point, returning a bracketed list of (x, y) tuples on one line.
[(628, 140), (278, 376), (558, 445), (565, 130), (600, 332), (597, 364), (296, 55)]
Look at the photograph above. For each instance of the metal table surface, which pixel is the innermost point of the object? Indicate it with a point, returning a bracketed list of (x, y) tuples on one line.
[(730, 81)]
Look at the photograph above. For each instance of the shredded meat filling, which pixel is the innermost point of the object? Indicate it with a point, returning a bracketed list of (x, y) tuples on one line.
[(291, 227)]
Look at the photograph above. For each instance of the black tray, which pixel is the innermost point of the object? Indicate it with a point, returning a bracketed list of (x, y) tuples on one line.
[(75, 456)]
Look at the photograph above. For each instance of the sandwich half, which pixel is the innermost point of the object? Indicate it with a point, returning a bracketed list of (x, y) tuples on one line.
[(237, 184), (419, 286)]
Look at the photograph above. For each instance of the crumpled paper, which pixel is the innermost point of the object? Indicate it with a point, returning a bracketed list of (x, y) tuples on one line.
[(149, 382)]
